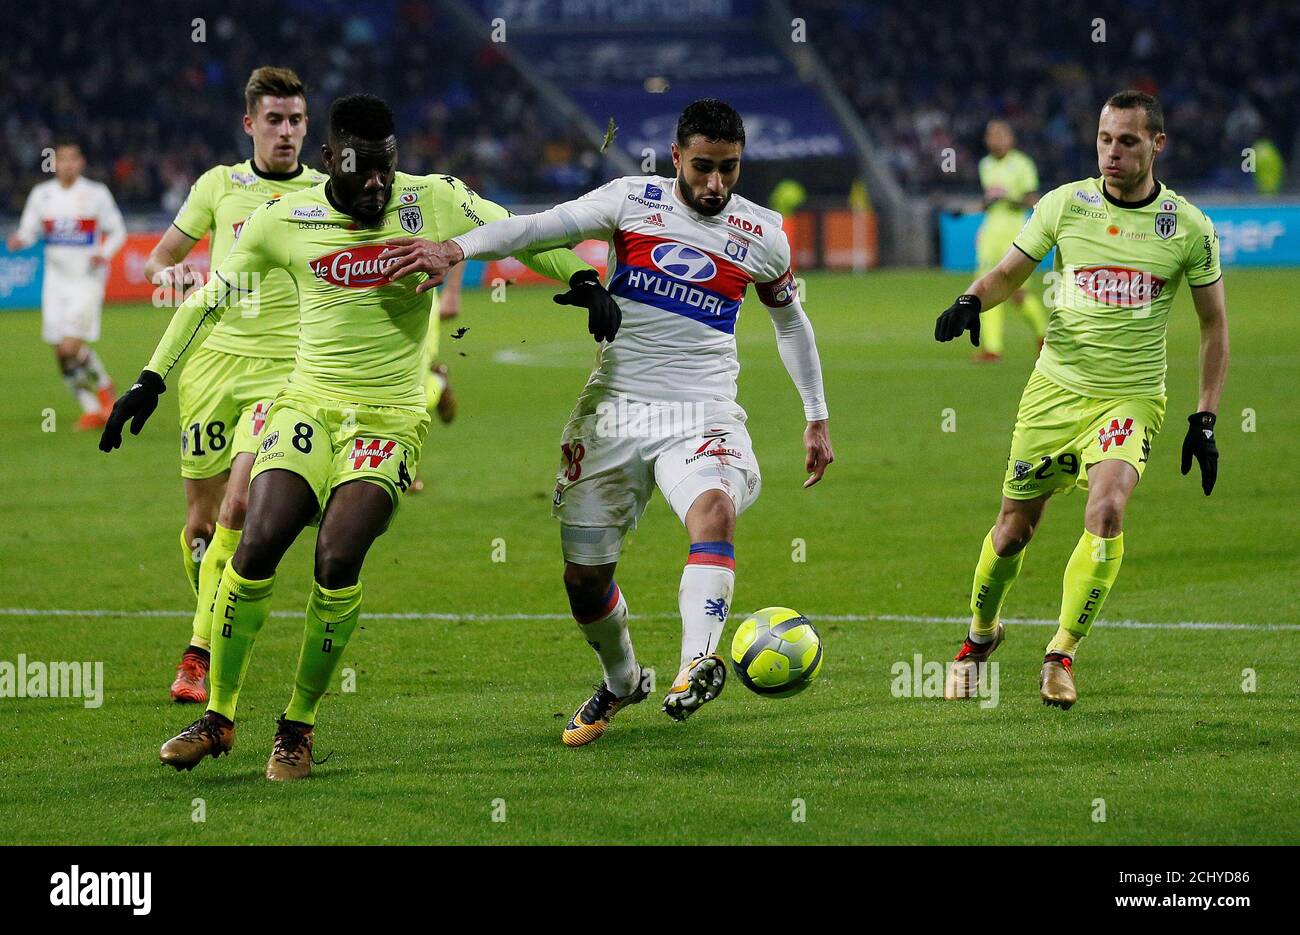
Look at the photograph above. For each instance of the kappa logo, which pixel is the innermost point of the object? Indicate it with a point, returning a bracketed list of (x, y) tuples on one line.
[(1115, 434), (269, 442), (411, 218), (375, 450), (683, 262), (353, 267), (1119, 286)]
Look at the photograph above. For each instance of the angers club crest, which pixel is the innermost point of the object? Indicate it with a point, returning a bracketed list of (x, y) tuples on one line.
[(411, 218), (1166, 225)]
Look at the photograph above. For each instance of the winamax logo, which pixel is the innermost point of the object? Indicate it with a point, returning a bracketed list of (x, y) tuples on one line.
[(88, 888), (354, 267)]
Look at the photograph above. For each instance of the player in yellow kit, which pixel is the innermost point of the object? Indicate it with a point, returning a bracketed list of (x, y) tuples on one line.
[(1010, 182), (344, 435), (1096, 400), (227, 386)]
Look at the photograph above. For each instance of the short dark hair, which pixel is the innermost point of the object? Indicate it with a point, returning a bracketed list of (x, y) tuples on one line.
[(65, 139), (1131, 99), (362, 116), (272, 80), (715, 120)]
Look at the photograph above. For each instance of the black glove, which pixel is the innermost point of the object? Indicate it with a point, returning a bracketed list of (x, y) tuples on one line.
[(962, 314), (603, 313), (1199, 444), (136, 404)]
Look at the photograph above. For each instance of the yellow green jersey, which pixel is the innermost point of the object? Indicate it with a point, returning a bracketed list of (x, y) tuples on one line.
[(361, 337), (1118, 266), (219, 202), (1016, 174)]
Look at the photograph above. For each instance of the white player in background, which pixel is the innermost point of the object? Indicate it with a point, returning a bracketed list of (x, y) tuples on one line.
[(82, 230), (660, 408)]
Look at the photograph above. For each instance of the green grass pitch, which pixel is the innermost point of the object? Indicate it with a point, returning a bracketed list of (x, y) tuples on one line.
[(455, 720)]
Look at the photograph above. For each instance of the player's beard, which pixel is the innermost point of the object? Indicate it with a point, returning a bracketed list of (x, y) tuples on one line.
[(689, 197)]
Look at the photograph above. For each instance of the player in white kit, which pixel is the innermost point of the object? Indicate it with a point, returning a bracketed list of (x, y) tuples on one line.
[(660, 408), (82, 230)]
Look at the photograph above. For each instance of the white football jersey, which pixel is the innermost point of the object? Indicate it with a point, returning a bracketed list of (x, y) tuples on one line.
[(679, 278), (71, 221)]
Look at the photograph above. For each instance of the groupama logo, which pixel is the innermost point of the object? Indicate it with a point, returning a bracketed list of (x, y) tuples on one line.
[(354, 267), (684, 262)]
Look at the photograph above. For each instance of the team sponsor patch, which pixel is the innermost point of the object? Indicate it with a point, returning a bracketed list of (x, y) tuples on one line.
[(269, 442), (1115, 433), (409, 198), (654, 193), (683, 262), (259, 417), (1166, 225), (1118, 286), (749, 227), (243, 178), (314, 213), (411, 218), (1021, 470), (1092, 198), (1168, 205), (371, 452), (715, 447), (353, 267)]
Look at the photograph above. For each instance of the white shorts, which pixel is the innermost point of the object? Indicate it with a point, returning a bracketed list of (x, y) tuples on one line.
[(609, 468), (71, 309)]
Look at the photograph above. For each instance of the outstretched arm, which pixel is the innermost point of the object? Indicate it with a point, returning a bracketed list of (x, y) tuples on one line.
[(797, 345), (993, 288)]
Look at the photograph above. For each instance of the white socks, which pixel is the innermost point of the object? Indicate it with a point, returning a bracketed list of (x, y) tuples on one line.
[(608, 636), (704, 597)]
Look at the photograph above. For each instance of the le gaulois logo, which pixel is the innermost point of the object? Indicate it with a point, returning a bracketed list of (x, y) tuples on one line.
[(353, 267), (1118, 285)]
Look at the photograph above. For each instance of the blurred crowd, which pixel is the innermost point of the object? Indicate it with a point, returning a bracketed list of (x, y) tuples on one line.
[(926, 77), (154, 91), (154, 88)]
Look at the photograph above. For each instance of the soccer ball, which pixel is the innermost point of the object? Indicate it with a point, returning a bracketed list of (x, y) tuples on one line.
[(776, 652)]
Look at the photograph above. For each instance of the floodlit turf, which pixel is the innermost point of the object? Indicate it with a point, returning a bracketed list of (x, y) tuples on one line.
[(456, 721)]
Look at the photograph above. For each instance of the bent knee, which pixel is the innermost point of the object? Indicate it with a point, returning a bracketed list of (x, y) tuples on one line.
[(233, 509), (1105, 516), (712, 516)]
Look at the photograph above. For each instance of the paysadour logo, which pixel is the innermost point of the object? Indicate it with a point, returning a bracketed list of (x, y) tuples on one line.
[(121, 888)]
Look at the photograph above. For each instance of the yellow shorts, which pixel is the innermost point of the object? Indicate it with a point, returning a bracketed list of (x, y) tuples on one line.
[(1059, 435), (329, 442), (225, 401)]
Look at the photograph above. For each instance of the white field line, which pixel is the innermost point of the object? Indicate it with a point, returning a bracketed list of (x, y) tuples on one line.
[(817, 618)]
